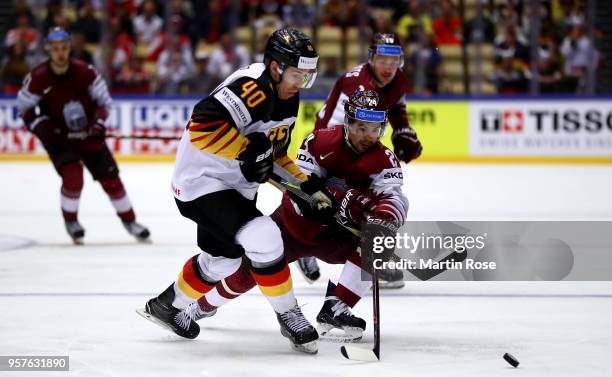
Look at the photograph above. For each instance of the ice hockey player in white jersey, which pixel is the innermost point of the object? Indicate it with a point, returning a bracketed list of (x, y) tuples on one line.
[(366, 180), (235, 139)]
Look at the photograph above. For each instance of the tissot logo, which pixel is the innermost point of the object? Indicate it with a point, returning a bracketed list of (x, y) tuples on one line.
[(506, 121)]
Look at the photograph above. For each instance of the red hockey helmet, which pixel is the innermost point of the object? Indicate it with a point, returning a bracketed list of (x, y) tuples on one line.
[(362, 110)]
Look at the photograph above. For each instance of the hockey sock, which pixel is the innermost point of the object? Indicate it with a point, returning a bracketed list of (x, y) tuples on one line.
[(274, 281), (72, 185), (229, 288), (351, 284), (114, 188), (191, 284)]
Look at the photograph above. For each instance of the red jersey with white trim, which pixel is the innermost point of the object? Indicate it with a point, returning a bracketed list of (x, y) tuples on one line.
[(376, 172), (71, 102), (362, 76)]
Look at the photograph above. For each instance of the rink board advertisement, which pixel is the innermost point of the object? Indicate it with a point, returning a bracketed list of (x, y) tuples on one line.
[(450, 130), (540, 128)]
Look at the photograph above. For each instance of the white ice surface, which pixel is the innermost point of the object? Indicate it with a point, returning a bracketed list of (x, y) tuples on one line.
[(57, 299)]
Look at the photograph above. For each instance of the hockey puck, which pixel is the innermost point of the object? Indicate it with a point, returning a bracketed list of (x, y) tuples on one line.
[(511, 360)]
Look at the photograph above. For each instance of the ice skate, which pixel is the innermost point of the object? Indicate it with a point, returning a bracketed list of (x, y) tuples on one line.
[(75, 231), (335, 314), (295, 327), (160, 311), (137, 230), (309, 268)]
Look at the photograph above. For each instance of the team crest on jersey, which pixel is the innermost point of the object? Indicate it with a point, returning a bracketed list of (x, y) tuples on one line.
[(74, 116), (279, 137)]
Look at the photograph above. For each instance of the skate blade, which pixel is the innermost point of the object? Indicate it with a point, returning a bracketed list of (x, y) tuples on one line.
[(310, 347), (151, 318), (78, 241), (329, 333)]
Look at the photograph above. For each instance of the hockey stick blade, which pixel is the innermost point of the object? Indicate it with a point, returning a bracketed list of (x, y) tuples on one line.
[(358, 353)]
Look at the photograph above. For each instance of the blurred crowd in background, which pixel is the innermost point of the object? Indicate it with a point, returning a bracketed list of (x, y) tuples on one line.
[(177, 47)]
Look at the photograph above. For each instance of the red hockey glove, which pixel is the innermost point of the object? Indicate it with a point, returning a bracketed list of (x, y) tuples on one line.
[(406, 145)]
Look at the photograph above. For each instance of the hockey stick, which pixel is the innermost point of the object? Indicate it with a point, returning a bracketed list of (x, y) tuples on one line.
[(350, 352), (421, 274), (144, 137), (297, 191), (363, 354)]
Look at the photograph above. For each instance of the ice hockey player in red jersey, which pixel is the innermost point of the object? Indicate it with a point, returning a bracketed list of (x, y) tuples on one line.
[(382, 73), (236, 138), (65, 103), (366, 180)]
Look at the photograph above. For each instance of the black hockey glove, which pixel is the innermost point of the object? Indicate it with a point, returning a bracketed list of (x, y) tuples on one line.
[(97, 131), (256, 160), (46, 131), (322, 208), (378, 241), (406, 145)]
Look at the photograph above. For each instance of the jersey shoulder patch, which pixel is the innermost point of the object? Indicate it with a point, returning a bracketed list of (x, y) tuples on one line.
[(38, 79), (246, 100)]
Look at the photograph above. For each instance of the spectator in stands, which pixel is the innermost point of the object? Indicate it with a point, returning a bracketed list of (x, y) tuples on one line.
[(78, 50), (546, 22), (428, 57), (511, 75), (123, 45), (379, 21), (571, 16), (330, 69), (122, 8), (511, 42), (184, 11), (297, 13), (87, 24), (212, 21), (414, 23), (125, 11), (160, 42), (202, 82), (549, 71), (24, 32), (133, 78), (14, 67), (447, 28), (227, 58), (21, 8), (268, 13), (148, 24), (504, 16), (579, 53), (54, 8), (480, 28), (174, 69), (341, 13)]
